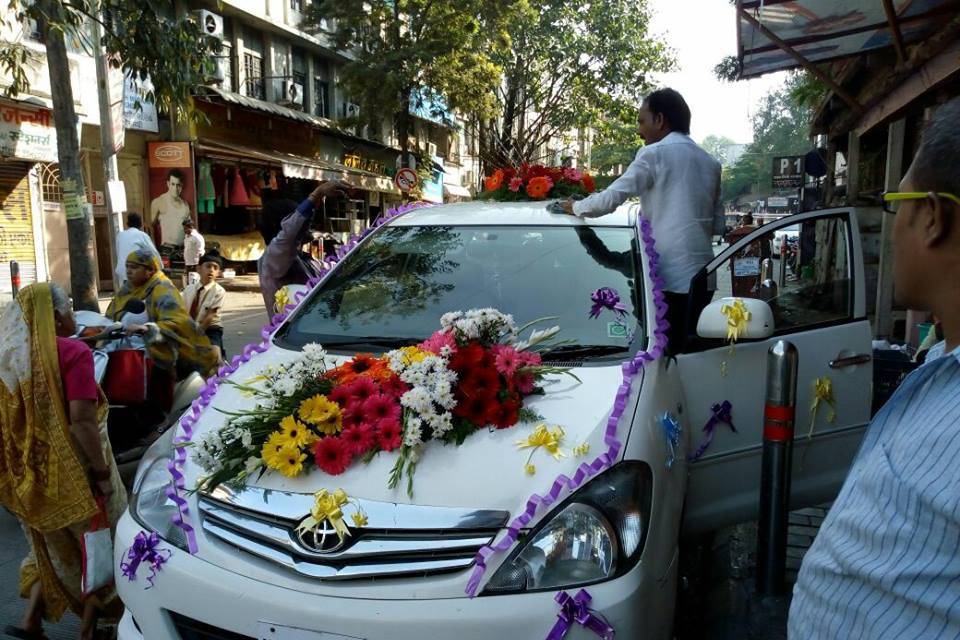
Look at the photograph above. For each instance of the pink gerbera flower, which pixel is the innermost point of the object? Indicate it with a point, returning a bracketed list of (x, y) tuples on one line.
[(528, 359), (515, 184), (352, 416), (440, 339), (359, 391), (505, 359), (526, 383), (359, 439), (380, 407), (389, 434)]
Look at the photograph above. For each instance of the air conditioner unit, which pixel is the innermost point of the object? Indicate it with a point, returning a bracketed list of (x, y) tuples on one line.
[(212, 71), (349, 110), (292, 93), (211, 23)]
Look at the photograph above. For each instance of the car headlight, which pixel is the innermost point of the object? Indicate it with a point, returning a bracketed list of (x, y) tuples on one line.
[(149, 504), (596, 534)]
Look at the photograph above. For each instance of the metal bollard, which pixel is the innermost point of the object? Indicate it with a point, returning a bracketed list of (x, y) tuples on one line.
[(778, 418), (768, 287), (782, 277), (14, 278)]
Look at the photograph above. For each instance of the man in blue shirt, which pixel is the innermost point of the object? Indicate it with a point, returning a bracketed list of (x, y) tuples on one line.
[(886, 563)]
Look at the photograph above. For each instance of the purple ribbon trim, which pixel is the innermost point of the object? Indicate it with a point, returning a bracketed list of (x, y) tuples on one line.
[(721, 413), (605, 460), (144, 549), (177, 488), (606, 298), (576, 610)]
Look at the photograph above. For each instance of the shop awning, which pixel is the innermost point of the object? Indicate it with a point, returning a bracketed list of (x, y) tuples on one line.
[(774, 35), (456, 191), (270, 107), (295, 166)]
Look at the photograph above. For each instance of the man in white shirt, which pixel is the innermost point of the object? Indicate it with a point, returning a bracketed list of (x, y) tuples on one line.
[(679, 188), (128, 241), (193, 246), (169, 210), (204, 299)]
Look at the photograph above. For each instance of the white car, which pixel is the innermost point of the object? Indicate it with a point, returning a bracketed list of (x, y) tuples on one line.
[(403, 575)]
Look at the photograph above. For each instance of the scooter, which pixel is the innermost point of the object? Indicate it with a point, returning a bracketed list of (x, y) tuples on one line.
[(131, 427)]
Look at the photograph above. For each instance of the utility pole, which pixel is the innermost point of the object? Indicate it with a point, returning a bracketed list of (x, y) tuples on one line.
[(83, 282), (108, 143)]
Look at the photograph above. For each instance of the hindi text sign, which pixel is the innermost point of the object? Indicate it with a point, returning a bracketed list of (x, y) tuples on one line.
[(27, 133)]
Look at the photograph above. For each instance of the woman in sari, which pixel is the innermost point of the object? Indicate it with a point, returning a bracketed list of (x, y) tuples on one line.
[(174, 341), (56, 466)]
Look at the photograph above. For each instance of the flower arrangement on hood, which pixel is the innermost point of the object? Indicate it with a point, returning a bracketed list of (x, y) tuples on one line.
[(472, 374), (536, 182)]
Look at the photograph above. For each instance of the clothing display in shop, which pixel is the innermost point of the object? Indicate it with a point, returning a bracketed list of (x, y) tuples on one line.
[(206, 192), (238, 191), (253, 181), (220, 185)]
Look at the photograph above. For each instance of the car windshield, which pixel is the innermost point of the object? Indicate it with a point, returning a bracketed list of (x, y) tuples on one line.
[(394, 287)]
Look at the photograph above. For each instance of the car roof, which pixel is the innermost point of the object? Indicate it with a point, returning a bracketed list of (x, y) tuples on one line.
[(486, 212)]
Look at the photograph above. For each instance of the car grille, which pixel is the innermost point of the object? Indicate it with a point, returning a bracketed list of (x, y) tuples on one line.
[(190, 629), (397, 540)]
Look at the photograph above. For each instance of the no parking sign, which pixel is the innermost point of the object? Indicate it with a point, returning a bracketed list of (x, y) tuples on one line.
[(406, 179)]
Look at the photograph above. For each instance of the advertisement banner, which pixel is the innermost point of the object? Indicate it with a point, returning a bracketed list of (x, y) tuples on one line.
[(171, 189), (27, 133), (143, 118)]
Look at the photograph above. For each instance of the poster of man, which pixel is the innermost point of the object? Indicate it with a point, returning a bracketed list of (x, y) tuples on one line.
[(171, 190)]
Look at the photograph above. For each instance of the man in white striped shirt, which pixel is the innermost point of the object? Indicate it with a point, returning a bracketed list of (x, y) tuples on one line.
[(886, 563)]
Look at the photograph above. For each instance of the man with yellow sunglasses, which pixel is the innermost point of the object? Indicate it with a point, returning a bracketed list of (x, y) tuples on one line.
[(886, 563)]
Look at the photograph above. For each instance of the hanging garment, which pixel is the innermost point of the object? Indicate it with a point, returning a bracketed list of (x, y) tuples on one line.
[(238, 191), (206, 193), (220, 185), (250, 178)]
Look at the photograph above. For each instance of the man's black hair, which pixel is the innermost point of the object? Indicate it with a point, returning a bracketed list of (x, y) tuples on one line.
[(212, 256), (134, 221), (935, 167), (272, 214), (672, 106), (175, 173)]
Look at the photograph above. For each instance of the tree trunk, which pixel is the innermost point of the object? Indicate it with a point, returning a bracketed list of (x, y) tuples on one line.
[(83, 282)]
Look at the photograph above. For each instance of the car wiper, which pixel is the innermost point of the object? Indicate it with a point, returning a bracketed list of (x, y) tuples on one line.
[(582, 350), (376, 341)]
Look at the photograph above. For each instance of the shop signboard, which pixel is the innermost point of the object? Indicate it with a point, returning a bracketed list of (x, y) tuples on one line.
[(115, 85), (777, 201), (144, 117), (788, 172), (27, 133), (171, 189)]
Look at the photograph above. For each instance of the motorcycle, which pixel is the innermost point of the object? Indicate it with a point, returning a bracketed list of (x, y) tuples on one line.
[(134, 422)]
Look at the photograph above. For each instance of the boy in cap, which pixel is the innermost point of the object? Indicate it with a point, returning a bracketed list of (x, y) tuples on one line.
[(204, 299)]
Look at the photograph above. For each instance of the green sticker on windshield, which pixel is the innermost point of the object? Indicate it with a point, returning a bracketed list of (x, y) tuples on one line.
[(616, 330)]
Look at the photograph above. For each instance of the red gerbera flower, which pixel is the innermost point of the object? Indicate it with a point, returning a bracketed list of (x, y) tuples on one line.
[(474, 409), (394, 387), (389, 434), (358, 439), (340, 395), (359, 391), (483, 382), (352, 416), (466, 357), (379, 407), (332, 455), (526, 383), (503, 414)]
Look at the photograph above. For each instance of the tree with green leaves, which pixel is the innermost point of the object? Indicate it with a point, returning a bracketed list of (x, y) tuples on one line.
[(572, 64), (717, 147), (437, 54), (616, 143), (781, 127), (148, 40)]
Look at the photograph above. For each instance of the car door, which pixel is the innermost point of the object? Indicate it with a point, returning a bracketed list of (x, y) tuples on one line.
[(819, 306)]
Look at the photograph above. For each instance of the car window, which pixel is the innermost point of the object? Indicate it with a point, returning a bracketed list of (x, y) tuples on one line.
[(397, 284), (809, 273)]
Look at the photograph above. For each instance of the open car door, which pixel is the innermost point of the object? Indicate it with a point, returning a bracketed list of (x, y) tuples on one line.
[(819, 306)]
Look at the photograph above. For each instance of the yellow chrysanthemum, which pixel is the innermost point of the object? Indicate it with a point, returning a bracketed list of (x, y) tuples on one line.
[(412, 355), (273, 445), (322, 413), (296, 433), (282, 457)]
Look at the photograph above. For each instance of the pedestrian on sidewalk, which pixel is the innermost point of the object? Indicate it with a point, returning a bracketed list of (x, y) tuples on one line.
[(284, 227), (128, 240), (885, 563), (205, 299), (193, 247), (57, 467), (678, 184)]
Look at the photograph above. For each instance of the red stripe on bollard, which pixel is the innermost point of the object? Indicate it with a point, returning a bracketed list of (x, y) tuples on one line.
[(778, 423)]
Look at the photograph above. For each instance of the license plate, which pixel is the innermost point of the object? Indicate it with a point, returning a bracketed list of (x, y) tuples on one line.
[(274, 631)]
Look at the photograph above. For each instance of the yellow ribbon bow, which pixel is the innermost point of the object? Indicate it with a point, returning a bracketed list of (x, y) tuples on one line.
[(822, 393), (546, 438), (281, 299), (737, 318), (327, 507)]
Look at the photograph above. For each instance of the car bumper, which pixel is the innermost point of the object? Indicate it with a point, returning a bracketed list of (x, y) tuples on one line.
[(186, 587)]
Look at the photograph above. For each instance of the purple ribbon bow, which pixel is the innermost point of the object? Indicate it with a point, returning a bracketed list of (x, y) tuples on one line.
[(606, 298), (575, 609), (721, 414), (144, 549)]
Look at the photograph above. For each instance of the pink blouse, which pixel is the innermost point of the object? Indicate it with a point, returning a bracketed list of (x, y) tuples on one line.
[(76, 370)]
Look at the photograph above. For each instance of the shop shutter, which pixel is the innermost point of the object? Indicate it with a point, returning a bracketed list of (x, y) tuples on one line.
[(16, 225)]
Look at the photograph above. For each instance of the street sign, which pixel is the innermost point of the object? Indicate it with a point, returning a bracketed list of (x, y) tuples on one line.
[(406, 179), (788, 172), (777, 201)]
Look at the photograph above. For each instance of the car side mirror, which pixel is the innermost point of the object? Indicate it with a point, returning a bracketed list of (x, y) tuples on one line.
[(713, 321)]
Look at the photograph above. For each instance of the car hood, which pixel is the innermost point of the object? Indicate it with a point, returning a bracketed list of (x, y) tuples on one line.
[(487, 471)]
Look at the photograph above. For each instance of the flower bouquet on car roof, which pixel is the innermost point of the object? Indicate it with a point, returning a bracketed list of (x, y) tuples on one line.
[(472, 374), (536, 182)]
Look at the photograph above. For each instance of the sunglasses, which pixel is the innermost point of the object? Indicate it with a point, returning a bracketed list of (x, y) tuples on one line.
[(892, 199)]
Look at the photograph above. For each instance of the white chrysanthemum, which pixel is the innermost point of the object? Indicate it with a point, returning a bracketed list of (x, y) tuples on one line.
[(252, 465)]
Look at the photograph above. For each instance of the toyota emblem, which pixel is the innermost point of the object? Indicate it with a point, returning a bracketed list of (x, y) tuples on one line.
[(320, 539)]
